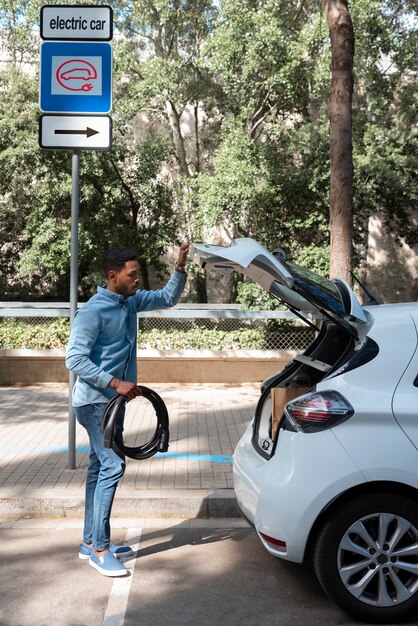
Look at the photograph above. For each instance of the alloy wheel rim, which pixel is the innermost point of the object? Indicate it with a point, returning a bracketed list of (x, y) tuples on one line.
[(378, 559)]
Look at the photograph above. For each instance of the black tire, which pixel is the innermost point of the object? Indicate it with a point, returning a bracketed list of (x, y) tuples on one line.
[(380, 586)]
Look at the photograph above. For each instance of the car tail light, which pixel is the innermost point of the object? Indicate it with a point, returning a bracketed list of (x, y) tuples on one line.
[(277, 543), (317, 411)]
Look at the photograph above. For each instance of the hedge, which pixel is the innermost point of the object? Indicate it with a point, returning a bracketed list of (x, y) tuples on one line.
[(15, 333)]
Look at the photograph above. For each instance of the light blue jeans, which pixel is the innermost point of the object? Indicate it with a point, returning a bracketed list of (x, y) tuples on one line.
[(104, 472)]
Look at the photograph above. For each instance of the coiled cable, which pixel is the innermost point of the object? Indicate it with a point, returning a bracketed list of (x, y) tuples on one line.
[(113, 437)]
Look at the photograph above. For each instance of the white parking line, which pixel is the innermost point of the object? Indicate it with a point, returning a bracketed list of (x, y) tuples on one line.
[(119, 594)]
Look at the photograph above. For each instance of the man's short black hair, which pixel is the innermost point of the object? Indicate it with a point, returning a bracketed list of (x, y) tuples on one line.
[(115, 259)]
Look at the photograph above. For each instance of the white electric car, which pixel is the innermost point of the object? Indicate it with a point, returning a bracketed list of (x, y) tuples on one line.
[(328, 468)]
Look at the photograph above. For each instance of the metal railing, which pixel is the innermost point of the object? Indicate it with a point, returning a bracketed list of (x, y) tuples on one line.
[(213, 326)]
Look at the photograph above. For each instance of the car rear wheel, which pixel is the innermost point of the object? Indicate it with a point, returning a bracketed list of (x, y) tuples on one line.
[(366, 557)]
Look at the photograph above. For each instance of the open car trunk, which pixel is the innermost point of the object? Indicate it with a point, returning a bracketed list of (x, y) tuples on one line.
[(341, 337), (330, 350)]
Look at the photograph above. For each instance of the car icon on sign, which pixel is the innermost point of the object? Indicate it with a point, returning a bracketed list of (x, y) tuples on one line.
[(74, 74)]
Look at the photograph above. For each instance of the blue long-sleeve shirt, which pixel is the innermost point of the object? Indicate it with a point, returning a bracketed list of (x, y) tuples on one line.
[(103, 336)]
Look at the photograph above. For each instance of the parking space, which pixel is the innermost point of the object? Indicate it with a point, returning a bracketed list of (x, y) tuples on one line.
[(183, 572)]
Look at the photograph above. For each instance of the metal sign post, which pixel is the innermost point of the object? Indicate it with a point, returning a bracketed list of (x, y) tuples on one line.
[(76, 87), (75, 206)]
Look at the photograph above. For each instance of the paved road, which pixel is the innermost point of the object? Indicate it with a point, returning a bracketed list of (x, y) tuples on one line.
[(207, 572)]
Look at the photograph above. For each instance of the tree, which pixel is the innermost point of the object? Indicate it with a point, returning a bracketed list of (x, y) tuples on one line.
[(24, 174), (269, 173), (125, 202), (163, 65), (341, 149), (273, 63), (385, 118), (125, 197), (220, 120), (169, 84)]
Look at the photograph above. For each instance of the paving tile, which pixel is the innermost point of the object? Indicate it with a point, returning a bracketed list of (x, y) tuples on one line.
[(204, 420), (6, 523), (37, 523)]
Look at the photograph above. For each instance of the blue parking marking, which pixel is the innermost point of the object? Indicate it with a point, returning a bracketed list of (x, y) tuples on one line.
[(210, 458), (186, 456)]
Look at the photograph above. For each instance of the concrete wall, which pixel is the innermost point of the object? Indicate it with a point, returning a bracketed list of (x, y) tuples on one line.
[(392, 266), (27, 367)]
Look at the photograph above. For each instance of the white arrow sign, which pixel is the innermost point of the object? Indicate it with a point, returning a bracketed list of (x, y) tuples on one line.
[(75, 132)]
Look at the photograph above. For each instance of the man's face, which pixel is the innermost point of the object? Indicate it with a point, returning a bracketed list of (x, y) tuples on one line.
[(126, 281)]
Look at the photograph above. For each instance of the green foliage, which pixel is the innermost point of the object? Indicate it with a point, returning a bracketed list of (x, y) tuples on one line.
[(316, 258), (163, 67), (258, 190), (17, 20), (124, 201), (253, 297), (238, 186), (25, 334), (20, 333), (199, 338), (260, 337), (385, 111), (247, 153), (255, 50), (385, 178), (127, 202), (30, 181)]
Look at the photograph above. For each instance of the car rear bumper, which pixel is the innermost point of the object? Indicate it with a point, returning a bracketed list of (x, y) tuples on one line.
[(282, 497)]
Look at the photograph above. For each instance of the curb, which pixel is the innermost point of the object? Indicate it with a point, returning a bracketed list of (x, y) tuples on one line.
[(185, 503)]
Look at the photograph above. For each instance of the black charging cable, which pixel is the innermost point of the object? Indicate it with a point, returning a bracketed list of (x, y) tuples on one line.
[(113, 437)]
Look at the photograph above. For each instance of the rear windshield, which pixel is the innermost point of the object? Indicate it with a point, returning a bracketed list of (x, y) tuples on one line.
[(318, 290)]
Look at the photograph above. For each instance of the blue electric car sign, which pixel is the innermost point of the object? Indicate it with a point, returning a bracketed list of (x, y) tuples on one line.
[(76, 77)]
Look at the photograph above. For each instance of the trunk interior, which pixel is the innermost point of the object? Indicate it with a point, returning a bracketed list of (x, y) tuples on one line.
[(331, 348)]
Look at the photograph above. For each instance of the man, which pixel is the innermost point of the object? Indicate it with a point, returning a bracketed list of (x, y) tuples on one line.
[(102, 352)]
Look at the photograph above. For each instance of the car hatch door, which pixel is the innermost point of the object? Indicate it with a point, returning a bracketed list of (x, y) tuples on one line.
[(297, 287)]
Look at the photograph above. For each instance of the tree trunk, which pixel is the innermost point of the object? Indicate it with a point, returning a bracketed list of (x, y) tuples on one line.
[(178, 141), (200, 287), (144, 274), (196, 136), (341, 149), (174, 120)]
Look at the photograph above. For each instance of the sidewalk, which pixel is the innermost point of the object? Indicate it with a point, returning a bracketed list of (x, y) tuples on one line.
[(194, 479)]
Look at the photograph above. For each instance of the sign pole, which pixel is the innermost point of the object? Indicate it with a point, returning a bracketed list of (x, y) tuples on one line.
[(75, 96), (75, 205)]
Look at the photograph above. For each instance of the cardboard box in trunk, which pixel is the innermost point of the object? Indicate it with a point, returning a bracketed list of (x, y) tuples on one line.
[(280, 396)]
